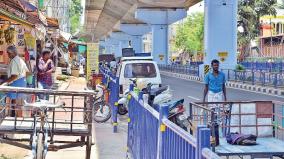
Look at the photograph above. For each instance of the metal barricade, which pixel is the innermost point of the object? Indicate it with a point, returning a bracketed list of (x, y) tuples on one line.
[(151, 135), (112, 83)]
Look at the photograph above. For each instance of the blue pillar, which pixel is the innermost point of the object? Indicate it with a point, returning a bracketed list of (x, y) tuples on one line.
[(136, 31), (115, 49), (160, 19), (160, 43), (112, 46), (123, 39), (137, 43), (221, 32), (108, 49), (123, 44), (102, 46)]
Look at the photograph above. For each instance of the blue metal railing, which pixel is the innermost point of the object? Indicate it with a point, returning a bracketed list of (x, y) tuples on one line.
[(142, 131), (112, 82), (264, 66), (151, 135), (253, 77), (186, 69)]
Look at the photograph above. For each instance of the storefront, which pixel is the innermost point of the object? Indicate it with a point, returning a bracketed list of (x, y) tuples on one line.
[(21, 26), (13, 27)]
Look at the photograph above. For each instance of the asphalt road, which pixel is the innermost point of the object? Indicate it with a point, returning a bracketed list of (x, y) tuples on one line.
[(192, 91)]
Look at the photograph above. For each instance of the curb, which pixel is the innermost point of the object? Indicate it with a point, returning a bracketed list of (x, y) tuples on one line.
[(182, 76), (230, 84)]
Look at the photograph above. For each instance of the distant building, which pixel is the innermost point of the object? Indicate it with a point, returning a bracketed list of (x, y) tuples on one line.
[(271, 42), (59, 9)]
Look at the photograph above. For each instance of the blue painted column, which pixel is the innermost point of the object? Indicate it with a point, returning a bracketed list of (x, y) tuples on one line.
[(112, 46), (137, 43), (136, 31), (159, 19), (115, 50), (123, 40), (221, 32), (102, 46), (108, 49), (123, 44), (160, 43)]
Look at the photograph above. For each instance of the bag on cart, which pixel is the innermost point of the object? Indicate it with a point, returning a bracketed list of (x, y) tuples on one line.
[(241, 139)]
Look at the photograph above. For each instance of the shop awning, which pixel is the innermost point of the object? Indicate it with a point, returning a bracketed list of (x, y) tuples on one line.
[(52, 22), (66, 36), (5, 15), (28, 6)]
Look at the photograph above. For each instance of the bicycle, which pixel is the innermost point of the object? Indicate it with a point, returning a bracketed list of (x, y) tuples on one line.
[(39, 137)]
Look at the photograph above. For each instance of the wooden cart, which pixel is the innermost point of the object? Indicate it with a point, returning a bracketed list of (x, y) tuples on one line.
[(74, 119)]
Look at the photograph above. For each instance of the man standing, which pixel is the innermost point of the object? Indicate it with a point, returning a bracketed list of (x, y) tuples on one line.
[(17, 70), (215, 84), (45, 69)]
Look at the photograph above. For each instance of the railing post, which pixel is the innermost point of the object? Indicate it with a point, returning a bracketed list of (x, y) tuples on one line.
[(275, 80), (163, 113), (253, 80), (203, 140), (228, 75), (263, 79), (115, 102)]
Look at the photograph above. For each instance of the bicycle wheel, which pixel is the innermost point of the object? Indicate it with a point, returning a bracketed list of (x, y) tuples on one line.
[(102, 112), (39, 149)]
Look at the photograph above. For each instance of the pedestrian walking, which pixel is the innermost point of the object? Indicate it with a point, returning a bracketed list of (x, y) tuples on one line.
[(45, 69), (17, 71), (215, 84)]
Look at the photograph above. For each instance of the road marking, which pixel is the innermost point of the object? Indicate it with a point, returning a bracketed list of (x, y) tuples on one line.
[(193, 98)]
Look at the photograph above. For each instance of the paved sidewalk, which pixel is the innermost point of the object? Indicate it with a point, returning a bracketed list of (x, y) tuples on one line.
[(107, 145)]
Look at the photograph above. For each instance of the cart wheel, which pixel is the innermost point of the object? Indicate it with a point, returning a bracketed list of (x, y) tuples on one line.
[(39, 150), (88, 147)]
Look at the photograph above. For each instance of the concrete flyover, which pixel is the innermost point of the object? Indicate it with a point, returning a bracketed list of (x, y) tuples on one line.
[(104, 18)]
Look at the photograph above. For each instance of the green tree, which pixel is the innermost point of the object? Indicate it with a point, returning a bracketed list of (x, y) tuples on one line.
[(75, 14), (189, 37), (249, 13)]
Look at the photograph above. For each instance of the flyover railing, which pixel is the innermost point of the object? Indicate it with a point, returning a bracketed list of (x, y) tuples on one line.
[(253, 77), (264, 66), (151, 135), (183, 69), (249, 76)]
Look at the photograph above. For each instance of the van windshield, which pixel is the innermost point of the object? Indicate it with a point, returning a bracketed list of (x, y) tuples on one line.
[(140, 70)]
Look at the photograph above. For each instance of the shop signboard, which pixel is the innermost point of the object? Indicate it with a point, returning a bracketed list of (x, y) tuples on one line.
[(92, 59), (21, 37), (30, 40)]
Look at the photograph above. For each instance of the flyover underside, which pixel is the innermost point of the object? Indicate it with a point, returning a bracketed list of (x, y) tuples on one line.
[(104, 16)]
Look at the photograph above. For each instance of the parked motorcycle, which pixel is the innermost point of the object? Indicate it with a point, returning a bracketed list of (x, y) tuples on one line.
[(123, 102), (162, 95)]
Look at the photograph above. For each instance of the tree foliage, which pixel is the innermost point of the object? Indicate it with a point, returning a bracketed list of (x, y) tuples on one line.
[(189, 37), (75, 14)]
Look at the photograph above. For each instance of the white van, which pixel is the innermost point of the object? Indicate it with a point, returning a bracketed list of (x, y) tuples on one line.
[(135, 68)]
